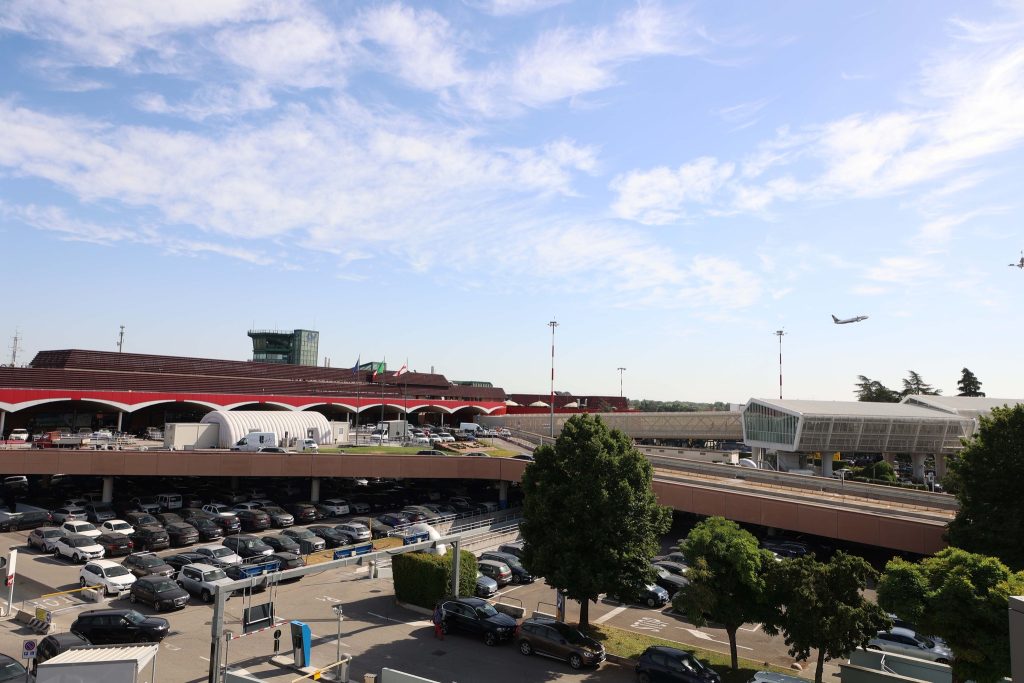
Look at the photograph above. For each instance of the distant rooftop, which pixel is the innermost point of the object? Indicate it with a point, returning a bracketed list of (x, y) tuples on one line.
[(849, 408)]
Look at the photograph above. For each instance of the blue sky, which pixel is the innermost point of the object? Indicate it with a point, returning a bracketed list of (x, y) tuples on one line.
[(435, 181)]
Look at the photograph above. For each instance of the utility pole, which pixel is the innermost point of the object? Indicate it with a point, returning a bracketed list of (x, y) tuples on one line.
[(553, 324), (621, 370), (780, 334), (120, 340)]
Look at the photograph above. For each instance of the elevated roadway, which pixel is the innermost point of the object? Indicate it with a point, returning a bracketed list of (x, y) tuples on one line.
[(910, 521)]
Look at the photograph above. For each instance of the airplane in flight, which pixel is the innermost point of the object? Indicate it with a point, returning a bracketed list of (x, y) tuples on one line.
[(855, 319), (1018, 264)]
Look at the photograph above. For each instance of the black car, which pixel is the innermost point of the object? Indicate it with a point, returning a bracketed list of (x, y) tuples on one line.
[(519, 572), (672, 665), (229, 523), (179, 560), (247, 546), (302, 512), (546, 636), (140, 519), (151, 538), (147, 564), (476, 616), (166, 518), (288, 560), (115, 544), (332, 537), (111, 626), (53, 645), (669, 581), (307, 540), (11, 670), (181, 533), (206, 528), (282, 544), (253, 520), (159, 591)]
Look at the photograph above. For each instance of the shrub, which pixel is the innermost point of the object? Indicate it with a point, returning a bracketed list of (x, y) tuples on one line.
[(422, 579)]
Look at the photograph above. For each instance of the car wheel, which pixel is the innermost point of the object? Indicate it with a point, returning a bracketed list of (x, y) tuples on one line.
[(575, 661), (143, 638), (56, 552), (132, 599), (525, 647), (82, 582), (490, 639), (206, 596), (651, 602), (643, 677)]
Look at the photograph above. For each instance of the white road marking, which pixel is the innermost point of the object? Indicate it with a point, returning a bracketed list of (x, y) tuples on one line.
[(399, 621), (649, 624), (754, 629), (605, 617), (704, 636)]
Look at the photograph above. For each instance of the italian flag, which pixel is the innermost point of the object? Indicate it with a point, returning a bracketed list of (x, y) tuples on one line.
[(402, 370)]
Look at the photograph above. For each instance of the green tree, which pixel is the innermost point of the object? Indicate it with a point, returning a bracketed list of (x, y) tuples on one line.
[(960, 597), (727, 578), (873, 390), (880, 471), (592, 521), (821, 606), (990, 520), (913, 384), (969, 385)]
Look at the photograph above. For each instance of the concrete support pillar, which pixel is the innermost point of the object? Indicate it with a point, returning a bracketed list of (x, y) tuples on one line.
[(917, 462), (826, 464), (108, 489), (314, 489), (788, 461), (1017, 637), (3, 420), (757, 455), (120, 419), (940, 466), (503, 494)]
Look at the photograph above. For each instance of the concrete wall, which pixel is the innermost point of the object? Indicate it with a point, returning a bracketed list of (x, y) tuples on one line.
[(866, 667), (1017, 638)]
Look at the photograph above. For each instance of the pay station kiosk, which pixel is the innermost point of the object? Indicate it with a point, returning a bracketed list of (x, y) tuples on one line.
[(301, 642)]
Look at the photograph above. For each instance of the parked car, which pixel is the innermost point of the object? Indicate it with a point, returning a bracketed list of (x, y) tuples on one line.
[(499, 571), (282, 543), (12, 670), (219, 555), (253, 520), (302, 512), (145, 504), (68, 514), (476, 616), (394, 520), (152, 537), (117, 526), (229, 524), (903, 641), (139, 519), (202, 580), (669, 581), (650, 594), (514, 548), (44, 538), (279, 517), (545, 636), (179, 560), (486, 587), (332, 537), (77, 548), (147, 564), (336, 506), (662, 663), (99, 512), (774, 677), (288, 560), (53, 645), (166, 518), (359, 507), (83, 528), (519, 572), (207, 529), (307, 540), (524, 456), (181, 534), (115, 545), (247, 546), (355, 530), (109, 626), (377, 529), (111, 576), (672, 567), (161, 592)]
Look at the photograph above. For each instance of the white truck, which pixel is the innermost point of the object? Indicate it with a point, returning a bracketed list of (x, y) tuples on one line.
[(396, 430), (253, 441)]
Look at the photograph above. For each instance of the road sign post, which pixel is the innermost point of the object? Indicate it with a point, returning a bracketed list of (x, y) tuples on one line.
[(28, 649)]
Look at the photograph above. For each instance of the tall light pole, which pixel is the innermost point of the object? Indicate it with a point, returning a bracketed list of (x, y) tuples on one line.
[(780, 334), (621, 370), (553, 324)]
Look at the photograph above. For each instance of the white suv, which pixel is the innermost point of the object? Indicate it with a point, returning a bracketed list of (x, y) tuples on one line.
[(114, 578), (77, 548), (117, 526), (83, 528), (336, 506)]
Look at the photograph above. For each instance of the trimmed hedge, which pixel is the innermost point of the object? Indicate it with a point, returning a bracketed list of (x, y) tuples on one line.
[(423, 579)]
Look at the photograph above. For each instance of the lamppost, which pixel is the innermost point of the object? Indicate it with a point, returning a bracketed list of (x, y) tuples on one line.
[(621, 370), (338, 612), (553, 324), (780, 334)]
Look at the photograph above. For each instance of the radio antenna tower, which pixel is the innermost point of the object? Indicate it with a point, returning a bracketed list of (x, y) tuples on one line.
[(14, 348), (120, 340)]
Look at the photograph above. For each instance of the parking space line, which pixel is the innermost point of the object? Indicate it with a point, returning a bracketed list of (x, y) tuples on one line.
[(605, 617), (421, 622)]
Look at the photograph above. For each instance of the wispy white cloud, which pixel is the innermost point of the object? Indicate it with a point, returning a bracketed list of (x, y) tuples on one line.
[(656, 197), (512, 7), (211, 102)]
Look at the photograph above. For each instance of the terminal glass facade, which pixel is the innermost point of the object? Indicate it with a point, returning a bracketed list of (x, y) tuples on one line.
[(298, 347), (765, 424)]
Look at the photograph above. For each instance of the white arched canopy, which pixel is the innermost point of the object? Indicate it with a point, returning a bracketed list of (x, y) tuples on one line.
[(234, 424)]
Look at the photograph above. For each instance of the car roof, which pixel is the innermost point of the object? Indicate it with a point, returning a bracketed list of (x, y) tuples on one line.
[(665, 649), (201, 566), (105, 563)]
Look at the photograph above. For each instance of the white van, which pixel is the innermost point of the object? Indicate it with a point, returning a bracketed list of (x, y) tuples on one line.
[(253, 441), (18, 435), (169, 501)]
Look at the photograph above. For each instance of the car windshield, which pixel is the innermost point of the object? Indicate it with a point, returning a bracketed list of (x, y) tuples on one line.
[(214, 574), (143, 520), (303, 533), (52, 533), (254, 543), (11, 671), (113, 572), (486, 610), (121, 525), (274, 510), (164, 586), (82, 542), (220, 552), (149, 561), (83, 526), (134, 617)]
